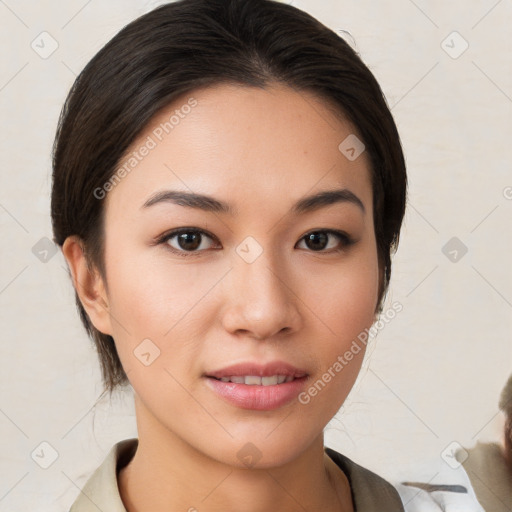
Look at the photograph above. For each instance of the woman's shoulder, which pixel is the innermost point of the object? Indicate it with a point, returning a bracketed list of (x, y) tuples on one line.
[(370, 492), (101, 491)]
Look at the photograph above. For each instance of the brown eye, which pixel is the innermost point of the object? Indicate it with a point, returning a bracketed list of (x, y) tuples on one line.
[(189, 241), (192, 242), (186, 241), (317, 241)]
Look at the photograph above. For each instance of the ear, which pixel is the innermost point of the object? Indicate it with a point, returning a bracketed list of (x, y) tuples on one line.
[(88, 284)]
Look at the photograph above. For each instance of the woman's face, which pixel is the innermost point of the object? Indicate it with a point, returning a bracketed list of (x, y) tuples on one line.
[(258, 283)]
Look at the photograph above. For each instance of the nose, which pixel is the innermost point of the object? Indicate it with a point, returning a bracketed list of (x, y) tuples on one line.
[(260, 299)]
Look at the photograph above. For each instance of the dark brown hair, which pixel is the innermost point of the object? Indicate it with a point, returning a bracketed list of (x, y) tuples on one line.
[(185, 45), (505, 405)]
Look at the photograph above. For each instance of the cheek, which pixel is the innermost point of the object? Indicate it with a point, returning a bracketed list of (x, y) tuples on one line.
[(344, 306), (161, 301), (344, 297), (151, 294)]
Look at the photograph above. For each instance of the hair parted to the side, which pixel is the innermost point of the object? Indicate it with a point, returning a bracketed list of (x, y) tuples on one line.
[(188, 44)]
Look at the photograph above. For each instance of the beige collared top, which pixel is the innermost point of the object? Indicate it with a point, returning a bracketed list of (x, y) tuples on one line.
[(370, 493)]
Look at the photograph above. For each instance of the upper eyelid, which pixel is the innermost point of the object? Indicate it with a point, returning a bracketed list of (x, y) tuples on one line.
[(178, 231)]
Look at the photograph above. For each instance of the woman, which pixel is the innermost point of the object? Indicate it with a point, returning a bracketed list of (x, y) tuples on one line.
[(228, 189)]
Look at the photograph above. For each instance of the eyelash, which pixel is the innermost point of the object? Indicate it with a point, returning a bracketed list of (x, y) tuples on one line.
[(344, 238)]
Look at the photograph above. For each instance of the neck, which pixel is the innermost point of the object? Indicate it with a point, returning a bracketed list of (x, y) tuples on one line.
[(166, 473)]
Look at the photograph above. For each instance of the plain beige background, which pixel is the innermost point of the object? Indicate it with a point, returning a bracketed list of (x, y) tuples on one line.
[(434, 372)]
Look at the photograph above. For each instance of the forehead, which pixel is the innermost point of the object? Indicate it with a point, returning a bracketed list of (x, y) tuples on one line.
[(243, 144)]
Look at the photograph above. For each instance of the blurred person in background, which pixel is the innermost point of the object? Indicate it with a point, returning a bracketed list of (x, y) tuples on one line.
[(489, 465), (480, 478)]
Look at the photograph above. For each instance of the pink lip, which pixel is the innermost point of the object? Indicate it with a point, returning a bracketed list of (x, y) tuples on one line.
[(260, 398), (261, 370)]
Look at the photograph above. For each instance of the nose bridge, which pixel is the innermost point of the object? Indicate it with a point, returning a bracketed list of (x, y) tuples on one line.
[(261, 298)]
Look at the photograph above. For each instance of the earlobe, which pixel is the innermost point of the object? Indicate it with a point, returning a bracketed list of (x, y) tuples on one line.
[(88, 284)]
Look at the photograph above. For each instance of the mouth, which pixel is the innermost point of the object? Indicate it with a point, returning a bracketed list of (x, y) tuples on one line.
[(257, 387), (253, 371), (254, 380)]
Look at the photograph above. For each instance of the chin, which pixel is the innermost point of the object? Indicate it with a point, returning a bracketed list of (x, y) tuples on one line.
[(262, 452)]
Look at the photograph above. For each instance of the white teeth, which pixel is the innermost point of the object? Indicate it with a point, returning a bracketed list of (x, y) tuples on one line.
[(269, 381), (254, 380)]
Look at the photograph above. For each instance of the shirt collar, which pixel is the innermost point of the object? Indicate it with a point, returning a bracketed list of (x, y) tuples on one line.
[(370, 492), (101, 492)]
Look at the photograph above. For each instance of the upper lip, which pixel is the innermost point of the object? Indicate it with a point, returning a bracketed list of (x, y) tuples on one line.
[(258, 369)]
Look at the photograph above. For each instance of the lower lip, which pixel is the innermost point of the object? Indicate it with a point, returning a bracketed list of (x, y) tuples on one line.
[(255, 397)]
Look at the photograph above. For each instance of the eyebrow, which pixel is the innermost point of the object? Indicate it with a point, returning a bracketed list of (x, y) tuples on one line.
[(210, 204)]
